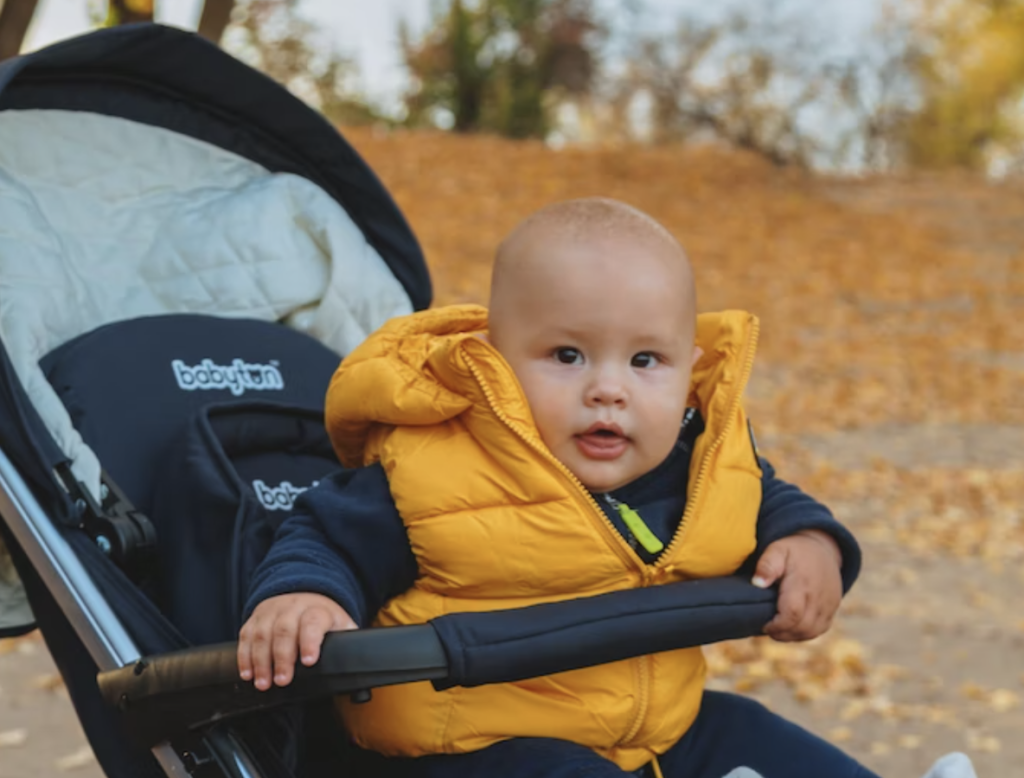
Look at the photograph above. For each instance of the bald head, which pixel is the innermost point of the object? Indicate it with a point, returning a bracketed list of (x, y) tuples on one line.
[(587, 218), (596, 237)]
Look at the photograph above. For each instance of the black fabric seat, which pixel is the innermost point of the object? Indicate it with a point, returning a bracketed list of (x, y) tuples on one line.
[(130, 387)]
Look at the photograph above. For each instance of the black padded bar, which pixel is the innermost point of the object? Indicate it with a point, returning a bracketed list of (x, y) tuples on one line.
[(503, 646), (166, 695)]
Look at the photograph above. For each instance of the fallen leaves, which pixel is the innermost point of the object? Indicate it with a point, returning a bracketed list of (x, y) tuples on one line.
[(829, 665), (964, 512), (76, 759), (47, 682), (13, 738), (978, 741), (999, 700)]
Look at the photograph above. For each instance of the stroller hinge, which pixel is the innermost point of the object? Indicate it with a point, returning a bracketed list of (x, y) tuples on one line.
[(123, 533)]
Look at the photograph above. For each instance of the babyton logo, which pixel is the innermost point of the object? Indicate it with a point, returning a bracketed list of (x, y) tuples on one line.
[(237, 377), (281, 497)]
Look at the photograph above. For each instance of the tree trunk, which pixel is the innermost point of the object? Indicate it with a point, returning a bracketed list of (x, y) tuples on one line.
[(15, 17), (129, 11), (215, 18)]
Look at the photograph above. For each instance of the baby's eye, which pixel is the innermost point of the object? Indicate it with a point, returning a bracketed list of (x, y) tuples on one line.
[(644, 359), (568, 355)]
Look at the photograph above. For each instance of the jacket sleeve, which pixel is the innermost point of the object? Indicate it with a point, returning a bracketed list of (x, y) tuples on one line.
[(345, 541), (786, 510)]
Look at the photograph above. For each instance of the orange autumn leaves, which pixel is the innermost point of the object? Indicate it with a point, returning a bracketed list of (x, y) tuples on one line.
[(870, 317)]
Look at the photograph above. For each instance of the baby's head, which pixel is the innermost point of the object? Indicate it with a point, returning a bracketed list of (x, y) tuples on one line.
[(593, 306)]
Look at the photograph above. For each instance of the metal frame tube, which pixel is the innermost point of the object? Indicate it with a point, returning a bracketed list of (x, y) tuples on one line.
[(94, 622), (96, 625)]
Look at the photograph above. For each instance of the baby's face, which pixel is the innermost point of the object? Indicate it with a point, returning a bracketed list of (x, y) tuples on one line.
[(600, 335)]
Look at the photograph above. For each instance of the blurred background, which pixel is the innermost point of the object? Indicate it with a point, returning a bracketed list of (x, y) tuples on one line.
[(851, 172)]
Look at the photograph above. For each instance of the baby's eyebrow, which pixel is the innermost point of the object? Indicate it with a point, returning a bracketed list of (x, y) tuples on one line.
[(571, 333)]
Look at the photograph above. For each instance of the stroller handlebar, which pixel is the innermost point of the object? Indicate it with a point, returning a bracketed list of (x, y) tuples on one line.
[(168, 694)]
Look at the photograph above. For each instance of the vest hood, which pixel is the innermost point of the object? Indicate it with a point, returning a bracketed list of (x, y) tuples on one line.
[(413, 372)]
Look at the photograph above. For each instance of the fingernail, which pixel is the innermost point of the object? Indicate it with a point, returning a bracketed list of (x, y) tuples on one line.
[(308, 659), (280, 679), (262, 684), (246, 675), (759, 582)]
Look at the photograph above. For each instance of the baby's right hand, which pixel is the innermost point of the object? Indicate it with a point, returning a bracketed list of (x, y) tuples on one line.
[(281, 627)]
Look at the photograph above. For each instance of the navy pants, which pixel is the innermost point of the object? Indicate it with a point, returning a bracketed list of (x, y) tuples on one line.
[(729, 731)]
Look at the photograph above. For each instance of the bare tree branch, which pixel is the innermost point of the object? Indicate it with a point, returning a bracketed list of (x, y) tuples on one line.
[(215, 18), (15, 17)]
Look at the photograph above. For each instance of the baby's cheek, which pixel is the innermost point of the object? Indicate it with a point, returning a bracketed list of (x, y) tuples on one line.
[(550, 423), (661, 428)]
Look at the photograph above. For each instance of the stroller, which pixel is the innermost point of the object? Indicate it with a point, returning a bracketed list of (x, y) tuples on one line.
[(186, 252)]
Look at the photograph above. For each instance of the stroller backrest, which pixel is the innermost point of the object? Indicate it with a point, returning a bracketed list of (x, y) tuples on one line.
[(131, 387)]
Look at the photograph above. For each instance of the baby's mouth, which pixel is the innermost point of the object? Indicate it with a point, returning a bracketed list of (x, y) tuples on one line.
[(602, 441)]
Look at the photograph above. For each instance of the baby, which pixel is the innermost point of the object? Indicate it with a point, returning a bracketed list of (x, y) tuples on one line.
[(584, 435)]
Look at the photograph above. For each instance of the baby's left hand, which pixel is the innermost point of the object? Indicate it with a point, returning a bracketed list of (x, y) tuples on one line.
[(807, 567)]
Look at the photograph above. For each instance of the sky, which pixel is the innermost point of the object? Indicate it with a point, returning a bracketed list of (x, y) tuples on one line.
[(366, 30)]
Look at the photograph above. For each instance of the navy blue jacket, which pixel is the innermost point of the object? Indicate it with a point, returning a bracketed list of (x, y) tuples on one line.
[(347, 541)]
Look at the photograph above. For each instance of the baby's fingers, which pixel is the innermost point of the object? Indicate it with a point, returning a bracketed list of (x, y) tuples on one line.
[(792, 610), (245, 652), (256, 639), (314, 623), (285, 637)]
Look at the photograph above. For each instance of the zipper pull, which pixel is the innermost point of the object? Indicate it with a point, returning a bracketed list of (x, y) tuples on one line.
[(637, 527)]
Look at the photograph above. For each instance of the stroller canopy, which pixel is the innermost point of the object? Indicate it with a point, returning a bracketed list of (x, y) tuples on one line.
[(143, 172)]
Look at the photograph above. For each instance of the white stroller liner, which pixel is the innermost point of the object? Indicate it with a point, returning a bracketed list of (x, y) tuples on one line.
[(103, 219)]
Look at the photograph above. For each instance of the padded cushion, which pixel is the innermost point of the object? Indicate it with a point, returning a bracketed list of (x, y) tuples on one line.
[(132, 387)]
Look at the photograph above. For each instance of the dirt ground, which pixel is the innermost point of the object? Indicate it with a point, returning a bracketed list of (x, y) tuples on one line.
[(927, 655)]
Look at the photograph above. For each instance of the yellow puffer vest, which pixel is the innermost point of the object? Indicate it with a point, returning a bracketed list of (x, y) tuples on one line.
[(495, 521)]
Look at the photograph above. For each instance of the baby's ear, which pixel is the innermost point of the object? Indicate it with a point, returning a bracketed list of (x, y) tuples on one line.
[(698, 352)]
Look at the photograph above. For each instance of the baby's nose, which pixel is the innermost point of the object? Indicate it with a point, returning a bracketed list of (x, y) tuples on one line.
[(607, 392)]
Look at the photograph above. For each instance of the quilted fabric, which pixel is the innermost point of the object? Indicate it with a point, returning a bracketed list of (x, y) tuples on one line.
[(104, 219)]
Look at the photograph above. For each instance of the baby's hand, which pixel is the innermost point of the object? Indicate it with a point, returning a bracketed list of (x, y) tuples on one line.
[(807, 566), (279, 628)]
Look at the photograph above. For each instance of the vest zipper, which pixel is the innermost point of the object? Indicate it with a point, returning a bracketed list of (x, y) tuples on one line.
[(747, 366), (645, 668)]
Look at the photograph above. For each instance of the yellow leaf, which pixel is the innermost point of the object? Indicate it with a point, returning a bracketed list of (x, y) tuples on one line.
[(80, 758), (840, 734), (13, 738), (909, 742), (1003, 700)]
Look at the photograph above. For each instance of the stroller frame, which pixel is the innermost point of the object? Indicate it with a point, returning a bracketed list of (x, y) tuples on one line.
[(96, 625)]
